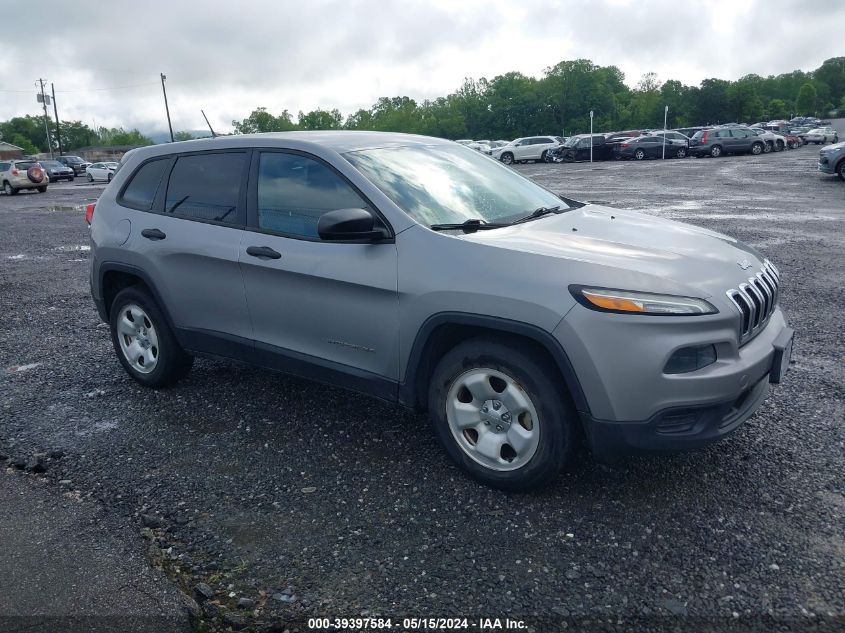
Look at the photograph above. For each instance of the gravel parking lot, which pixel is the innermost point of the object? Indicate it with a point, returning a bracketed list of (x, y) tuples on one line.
[(314, 501)]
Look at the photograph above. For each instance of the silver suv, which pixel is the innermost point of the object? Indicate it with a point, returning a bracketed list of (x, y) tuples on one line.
[(419, 271)]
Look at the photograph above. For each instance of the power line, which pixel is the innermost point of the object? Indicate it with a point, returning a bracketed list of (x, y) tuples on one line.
[(151, 83)]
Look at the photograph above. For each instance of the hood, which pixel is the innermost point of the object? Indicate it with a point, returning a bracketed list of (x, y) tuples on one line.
[(833, 148), (667, 252)]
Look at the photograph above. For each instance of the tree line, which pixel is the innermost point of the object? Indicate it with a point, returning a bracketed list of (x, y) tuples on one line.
[(513, 105)]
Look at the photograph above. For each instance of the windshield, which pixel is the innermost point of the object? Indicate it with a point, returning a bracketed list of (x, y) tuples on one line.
[(73, 159), (52, 164), (572, 141), (440, 184)]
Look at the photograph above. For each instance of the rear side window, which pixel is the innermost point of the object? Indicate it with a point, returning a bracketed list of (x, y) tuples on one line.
[(5, 166), (142, 189), (24, 164), (205, 187), (294, 191)]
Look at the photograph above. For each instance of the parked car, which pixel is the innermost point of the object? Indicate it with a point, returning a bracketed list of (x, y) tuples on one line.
[(774, 142), (101, 171), (76, 163), (793, 141), (643, 147), (822, 135), (689, 131), (57, 171), (497, 144), (527, 148), (16, 175), (725, 140), (464, 141), (538, 320), (481, 146), (832, 160), (671, 134), (577, 148)]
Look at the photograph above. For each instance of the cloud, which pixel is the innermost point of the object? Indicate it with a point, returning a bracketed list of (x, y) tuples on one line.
[(229, 58)]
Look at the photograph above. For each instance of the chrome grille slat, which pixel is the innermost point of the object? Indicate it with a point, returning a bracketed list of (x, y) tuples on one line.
[(756, 300)]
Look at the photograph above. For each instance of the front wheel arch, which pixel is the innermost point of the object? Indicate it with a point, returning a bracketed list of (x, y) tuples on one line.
[(442, 331)]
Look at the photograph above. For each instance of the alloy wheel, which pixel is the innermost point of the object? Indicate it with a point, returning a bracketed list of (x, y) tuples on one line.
[(492, 419)]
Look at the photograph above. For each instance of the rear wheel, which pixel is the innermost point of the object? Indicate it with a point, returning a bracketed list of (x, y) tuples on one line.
[(42, 189), (507, 158), (681, 153), (780, 146), (9, 189), (639, 154), (716, 151), (767, 147), (145, 344), (757, 148), (500, 416)]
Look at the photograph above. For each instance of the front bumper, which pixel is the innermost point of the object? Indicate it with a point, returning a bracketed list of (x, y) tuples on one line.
[(620, 360), (674, 430), (826, 165)]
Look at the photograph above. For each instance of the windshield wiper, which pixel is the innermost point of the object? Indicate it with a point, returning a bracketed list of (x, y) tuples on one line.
[(537, 213), (468, 226)]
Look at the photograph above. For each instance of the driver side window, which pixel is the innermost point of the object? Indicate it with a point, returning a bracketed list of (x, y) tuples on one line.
[(294, 191)]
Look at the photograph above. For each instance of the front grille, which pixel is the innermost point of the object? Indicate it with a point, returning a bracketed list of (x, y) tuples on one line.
[(756, 300)]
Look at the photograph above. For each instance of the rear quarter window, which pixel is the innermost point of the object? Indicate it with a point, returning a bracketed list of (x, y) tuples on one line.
[(206, 187), (144, 184)]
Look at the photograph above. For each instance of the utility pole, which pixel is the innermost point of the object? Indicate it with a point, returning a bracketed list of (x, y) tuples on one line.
[(58, 127), (164, 90), (46, 118)]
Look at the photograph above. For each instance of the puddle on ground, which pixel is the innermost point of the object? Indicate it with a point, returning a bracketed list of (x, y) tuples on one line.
[(66, 207), (73, 248)]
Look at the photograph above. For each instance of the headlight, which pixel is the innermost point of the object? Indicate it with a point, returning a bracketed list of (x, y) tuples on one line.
[(630, 302)]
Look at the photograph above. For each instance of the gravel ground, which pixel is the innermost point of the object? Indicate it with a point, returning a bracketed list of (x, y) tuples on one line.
[(310, 500)]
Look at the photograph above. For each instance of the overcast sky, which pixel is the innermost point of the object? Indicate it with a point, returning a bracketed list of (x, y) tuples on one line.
[(229, 57)]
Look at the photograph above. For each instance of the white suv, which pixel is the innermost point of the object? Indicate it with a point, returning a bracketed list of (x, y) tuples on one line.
[(527, 148)]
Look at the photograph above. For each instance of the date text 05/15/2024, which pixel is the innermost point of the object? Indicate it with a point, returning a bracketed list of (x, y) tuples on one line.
[(415, 624)]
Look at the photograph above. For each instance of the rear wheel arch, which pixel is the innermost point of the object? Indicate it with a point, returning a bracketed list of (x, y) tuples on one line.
[(441, 332), (114, 277)]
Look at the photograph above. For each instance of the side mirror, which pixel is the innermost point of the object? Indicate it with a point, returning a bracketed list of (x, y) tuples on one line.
[(348, 225), (517, 144)]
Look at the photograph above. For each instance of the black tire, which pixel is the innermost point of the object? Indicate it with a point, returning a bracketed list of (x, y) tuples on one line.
[(681, 153), (767, 147), (779, 146), (544, 156), (716, 151), (559, 427), (90, 178), (42, 189), (173, 362), (639, 154), (9, 189), (757, 148), (70, 179), (507, 158), (108, 178), (840, 169)]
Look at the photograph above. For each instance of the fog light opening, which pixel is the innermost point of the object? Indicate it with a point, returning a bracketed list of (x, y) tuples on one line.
[(689, 359)]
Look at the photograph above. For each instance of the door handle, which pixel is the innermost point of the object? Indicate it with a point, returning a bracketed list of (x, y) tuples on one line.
[(263, 252), (153, 234)]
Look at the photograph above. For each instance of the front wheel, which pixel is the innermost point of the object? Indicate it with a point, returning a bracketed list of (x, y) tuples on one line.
[(682, 153), (144, 342), (90, 178), (108, 178), (500, 415), (841, 169), (767, 147), (780, 146), (544, 157), (639, 154), (507, 158)]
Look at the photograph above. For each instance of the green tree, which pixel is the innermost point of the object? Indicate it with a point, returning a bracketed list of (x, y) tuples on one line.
[(76, 134), (321, 120), (711, 102), (111, 137), (832, 74), (29, 127), (260, 120), (745, 103), (805, 103), (183, 135), (777, 109), (24, 143)]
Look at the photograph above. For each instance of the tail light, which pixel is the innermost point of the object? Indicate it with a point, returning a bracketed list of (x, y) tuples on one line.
[(89, 212), (626, 145), (704, 136), (15, 172)]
